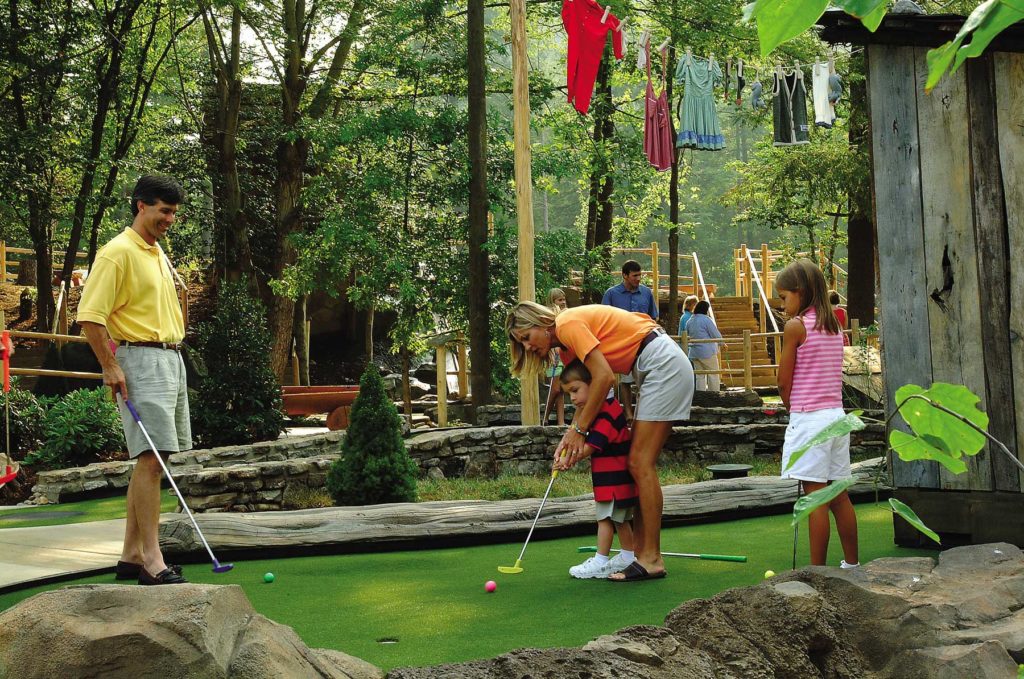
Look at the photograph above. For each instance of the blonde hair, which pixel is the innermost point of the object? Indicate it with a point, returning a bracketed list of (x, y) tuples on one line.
[(553, 294), (523, 317), (690, 302), (805, 279)]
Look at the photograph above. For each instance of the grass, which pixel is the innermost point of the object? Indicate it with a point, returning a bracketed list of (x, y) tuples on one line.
[(90, 510), (433, 601)]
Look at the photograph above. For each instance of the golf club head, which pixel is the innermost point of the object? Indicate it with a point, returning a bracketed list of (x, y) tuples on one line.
[(219, 567), (511, 569)]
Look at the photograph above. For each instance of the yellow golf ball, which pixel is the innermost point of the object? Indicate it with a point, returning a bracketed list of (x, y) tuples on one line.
[(769, 574)]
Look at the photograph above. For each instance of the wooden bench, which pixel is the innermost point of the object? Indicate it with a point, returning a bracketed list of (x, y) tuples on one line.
[(334, 401)]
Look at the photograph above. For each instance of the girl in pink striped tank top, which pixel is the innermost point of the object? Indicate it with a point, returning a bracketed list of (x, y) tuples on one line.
[(811, 386)]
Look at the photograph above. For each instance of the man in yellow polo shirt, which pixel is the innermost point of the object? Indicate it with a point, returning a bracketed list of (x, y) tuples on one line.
[(130, 314)]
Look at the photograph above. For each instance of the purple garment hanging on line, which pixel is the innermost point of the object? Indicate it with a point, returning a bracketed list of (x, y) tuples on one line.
[(658, 132)]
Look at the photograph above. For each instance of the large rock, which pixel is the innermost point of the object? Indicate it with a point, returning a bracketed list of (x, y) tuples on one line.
[(115, 631), (890, 619)]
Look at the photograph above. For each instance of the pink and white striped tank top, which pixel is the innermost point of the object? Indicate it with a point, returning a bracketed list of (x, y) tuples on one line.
[(818, 374)]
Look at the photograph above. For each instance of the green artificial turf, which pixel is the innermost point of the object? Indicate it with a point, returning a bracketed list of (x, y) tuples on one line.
[(91, 510), (433, 601)]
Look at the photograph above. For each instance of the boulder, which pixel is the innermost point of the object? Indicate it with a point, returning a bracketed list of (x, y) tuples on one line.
[(726, 399), (115, 631), (890, 619), (426, 372)]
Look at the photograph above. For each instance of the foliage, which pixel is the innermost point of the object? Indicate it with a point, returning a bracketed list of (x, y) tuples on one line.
[(239, 400), (375, 466), (26, 418), (781, 20), (946, 426), (77, 429)]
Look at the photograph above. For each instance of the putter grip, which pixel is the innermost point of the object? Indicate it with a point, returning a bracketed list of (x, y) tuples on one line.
[(133, 411), (723, 557)]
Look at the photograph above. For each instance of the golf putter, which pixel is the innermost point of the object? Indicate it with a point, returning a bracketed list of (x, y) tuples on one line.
[(706, 557), (518, 568), (218, 567)]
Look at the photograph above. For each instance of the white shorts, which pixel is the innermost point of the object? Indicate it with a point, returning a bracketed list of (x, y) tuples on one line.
[(626, 378), (824, 462), (665, 379)]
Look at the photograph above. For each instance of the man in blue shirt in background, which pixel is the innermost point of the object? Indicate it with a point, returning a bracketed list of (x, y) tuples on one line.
[(631, 295)]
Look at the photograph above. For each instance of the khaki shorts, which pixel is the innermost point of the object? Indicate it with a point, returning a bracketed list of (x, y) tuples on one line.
[(156, 387), (608, 510)]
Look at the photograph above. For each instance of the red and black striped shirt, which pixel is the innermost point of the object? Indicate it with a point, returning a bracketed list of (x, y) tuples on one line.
[(609, 463)]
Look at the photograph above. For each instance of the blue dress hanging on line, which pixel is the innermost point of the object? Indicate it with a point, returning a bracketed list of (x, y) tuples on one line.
[(699, 127)]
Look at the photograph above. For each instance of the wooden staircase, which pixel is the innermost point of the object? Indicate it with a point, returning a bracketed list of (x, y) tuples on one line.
[(733, 315)]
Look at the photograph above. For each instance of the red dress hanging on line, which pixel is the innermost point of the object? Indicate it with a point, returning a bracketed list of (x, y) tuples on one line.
[(587, 38), (658, 132)]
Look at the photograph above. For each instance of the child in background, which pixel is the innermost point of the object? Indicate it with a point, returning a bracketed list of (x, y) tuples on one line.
[(688, 304), (607, 446), (557, 303), (840, 311), (811, 386)]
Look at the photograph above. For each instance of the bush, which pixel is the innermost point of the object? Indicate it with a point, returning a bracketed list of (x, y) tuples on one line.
[(78, 429), (26, 422), (374, 466), (238, 401)]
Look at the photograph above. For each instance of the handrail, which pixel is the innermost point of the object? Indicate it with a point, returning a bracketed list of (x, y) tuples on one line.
[(703, 286), (760, 288)]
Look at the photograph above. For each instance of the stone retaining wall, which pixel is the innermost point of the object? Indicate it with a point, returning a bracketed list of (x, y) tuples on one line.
[(210, 480)]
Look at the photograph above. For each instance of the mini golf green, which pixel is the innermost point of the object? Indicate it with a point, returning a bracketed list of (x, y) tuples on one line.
[(427, 607)]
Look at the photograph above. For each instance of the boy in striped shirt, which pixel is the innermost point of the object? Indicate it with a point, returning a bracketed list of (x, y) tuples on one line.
[(615, 495)]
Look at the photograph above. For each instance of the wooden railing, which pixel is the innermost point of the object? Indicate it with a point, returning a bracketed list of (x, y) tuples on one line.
[(5, 265), (443, 343), (747, 340), (747, 261), (687, 284)]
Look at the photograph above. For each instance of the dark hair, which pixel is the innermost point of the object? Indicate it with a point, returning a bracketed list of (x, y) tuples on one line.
[(629, 266), (833, 297), (151, 187), (702, 307), (575, 371)]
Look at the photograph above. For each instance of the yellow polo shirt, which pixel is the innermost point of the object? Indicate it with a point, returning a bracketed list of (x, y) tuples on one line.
[(130, 290)]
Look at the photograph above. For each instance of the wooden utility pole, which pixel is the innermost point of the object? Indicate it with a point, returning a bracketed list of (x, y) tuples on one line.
[(524, 186)]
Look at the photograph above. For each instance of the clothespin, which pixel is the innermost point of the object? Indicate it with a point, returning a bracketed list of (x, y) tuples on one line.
[(604, 17), (621, 23), (663, 45)]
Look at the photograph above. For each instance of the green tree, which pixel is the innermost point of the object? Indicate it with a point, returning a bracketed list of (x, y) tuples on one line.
[(239, 400), (375, 466)]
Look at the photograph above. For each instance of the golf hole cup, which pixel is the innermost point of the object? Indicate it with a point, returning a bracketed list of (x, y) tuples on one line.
[(490, 586)]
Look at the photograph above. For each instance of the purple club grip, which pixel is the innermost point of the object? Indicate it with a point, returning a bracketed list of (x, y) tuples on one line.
[(133, 411)]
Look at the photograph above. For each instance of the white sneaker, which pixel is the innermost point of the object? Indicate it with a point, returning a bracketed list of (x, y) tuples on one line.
[(843, 564), (591, 569), (619, 563)]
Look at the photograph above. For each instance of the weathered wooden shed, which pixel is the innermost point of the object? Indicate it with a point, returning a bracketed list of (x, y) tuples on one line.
[(948, 186)]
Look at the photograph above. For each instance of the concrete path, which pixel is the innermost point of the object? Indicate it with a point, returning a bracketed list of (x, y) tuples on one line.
[(46, 552)]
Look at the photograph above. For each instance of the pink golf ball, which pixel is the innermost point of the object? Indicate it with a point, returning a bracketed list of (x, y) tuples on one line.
[(491, 586)]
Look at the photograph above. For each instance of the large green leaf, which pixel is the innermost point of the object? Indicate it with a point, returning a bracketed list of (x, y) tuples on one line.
[(911, 448), (959, 437), (808, 503), (782, 20), (870, 12), (986, 22), (844, 425), (913, 519)]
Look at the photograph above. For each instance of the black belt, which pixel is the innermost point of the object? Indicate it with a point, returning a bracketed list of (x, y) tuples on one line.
[(152, 345), (648, 338)]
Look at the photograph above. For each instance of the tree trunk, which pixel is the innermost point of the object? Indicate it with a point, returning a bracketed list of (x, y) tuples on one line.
[(406, 388), (479, 275), (299, 333), (862, 245), (599, 206), (368, 337)]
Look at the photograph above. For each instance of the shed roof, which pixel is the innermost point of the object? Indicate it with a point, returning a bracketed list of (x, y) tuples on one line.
[(926, 30)]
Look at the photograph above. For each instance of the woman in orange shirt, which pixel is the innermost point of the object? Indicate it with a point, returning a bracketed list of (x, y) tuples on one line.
[(609, 340)]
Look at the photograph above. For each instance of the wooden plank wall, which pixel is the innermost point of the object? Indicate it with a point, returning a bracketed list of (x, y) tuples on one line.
[(950, 251), (896, 170), (990, 229), (1009, 78)]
